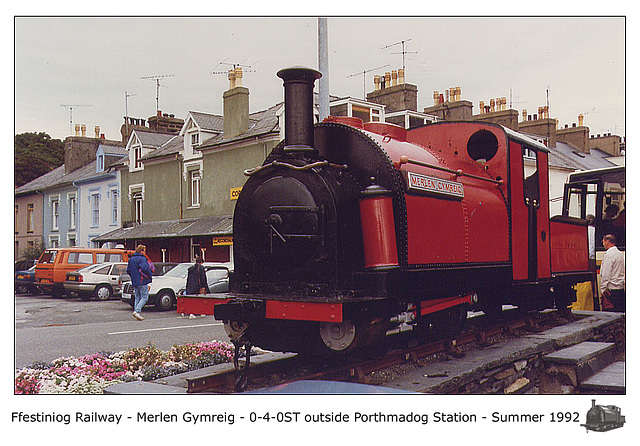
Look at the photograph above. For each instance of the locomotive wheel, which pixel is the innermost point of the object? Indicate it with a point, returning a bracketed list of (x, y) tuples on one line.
[(348, 336), (338, 336)]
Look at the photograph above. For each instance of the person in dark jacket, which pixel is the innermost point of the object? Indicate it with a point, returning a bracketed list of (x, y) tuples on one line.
[(140, 273), (197, 278)]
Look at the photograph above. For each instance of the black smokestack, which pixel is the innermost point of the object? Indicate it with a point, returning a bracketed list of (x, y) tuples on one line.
[(298, 107)]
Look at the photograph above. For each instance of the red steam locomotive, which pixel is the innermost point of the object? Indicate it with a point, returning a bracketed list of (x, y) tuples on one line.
[(348, 228)]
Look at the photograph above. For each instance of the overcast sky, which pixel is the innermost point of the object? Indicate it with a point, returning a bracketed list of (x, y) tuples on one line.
[(90, 63)]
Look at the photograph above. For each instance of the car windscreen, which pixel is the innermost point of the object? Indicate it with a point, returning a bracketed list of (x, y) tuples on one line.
[(179, 271)]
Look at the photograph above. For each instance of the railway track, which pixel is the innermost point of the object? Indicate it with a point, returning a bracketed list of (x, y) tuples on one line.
[(400, 349)]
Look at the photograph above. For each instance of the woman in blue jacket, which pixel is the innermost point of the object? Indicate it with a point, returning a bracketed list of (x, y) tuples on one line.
[(140, 273)]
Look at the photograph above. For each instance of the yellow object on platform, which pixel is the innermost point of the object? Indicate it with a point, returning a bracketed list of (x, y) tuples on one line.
[(584, 297)]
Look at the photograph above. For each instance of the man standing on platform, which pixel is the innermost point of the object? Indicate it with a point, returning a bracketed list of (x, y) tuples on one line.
[(612, 274)]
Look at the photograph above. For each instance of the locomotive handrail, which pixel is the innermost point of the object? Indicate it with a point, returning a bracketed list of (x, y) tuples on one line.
[(324, 163), (406, 160)]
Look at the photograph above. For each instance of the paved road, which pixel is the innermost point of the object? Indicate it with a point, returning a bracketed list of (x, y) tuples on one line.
[(48, 328)]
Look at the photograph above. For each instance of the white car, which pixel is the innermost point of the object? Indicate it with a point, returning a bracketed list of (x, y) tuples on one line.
[(98, 281), (164, 289)]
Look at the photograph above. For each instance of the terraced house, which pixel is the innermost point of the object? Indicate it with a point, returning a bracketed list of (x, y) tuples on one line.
[(77, 201)]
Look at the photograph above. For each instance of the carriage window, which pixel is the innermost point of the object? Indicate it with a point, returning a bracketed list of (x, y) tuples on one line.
[(614, 211), (531, 182)]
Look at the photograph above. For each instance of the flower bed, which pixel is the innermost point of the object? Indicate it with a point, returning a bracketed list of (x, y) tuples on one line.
[(93, 373)]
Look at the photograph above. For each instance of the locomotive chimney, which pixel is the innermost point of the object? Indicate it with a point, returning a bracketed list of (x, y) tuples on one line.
[(298, 107), (593, 403)]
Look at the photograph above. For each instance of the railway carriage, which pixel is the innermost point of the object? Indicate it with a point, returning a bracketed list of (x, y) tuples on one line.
[(348, 228)]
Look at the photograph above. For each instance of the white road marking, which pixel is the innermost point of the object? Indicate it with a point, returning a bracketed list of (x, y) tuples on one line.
[(166, 328)]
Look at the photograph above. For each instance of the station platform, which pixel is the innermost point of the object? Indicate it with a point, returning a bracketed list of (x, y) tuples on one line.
[(512, 367)]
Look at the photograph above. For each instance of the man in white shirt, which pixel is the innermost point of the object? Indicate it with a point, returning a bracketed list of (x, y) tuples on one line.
[(612, 274)]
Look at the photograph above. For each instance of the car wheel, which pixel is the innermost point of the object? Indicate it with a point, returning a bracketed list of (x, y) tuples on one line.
[(22, 289), (102, 292), (164, 300)]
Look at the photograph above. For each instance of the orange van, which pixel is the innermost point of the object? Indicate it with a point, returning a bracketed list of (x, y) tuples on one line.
[(55, 263)]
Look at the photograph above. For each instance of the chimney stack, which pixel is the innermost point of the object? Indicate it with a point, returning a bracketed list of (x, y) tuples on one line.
[(298, 107), (235, 104)]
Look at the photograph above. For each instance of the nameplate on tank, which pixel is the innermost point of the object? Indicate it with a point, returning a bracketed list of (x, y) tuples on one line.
[(433, 185)]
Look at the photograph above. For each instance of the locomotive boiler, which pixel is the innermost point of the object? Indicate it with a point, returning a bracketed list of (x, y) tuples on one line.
[(348, 228), (603, 418)]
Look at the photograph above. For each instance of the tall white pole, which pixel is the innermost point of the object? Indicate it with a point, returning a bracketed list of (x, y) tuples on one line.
[(323, 67)]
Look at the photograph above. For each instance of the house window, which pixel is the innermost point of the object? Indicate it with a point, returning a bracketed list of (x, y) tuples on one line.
[(54, 242), (137, 206), (114, 206), (137, 154), (73, 209), (195, 188), (72, 240), (100, 163), (95, 209), (30, 213), (195, 139), (55, 214)]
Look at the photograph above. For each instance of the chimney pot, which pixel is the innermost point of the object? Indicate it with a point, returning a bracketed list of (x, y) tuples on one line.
[(580, 120), (83, 129), (401, 76), (97, 130), (387, 79), (376, 81), (481, 106), (238, 76), (394, 78), (77, 129)]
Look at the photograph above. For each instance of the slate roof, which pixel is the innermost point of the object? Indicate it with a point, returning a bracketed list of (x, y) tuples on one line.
[(568, 156), (57, 178), (188, 227), (173, 145), (151, 140), (260, 123), (208, 121)]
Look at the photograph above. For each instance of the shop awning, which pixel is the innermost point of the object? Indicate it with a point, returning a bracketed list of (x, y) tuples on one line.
[(216, 226)]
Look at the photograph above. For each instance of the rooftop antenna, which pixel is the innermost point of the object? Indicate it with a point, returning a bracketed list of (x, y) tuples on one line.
[(403, 52), (126, 110), (157, 78), (70, 107), (364, 80), (245, 68)]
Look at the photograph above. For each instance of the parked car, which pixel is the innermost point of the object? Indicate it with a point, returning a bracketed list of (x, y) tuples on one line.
[(99, 281), (25, 281), (164, 289), (217, 279), (55, 263)]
